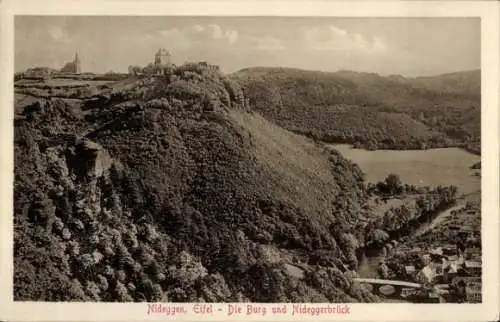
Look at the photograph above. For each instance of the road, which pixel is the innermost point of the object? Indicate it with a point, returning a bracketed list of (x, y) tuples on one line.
[(437, 220)]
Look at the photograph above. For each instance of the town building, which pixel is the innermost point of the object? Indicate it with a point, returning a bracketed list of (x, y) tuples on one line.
[(410, 270), (473, 268), (472, 295), (470, 288), (407, 292), (36, 72), (426, 275), (449, 272), (449, 250), (473, 253)]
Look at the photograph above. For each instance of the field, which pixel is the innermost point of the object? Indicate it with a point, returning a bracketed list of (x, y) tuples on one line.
[(73, 91), (448, 166), (380, 207), (62, 82)]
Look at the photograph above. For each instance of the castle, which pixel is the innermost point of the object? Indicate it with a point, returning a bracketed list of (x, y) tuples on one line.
[(73, 67), (162, 65), (162, 62)]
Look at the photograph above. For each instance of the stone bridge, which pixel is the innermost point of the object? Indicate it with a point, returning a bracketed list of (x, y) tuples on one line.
[(391, 289)]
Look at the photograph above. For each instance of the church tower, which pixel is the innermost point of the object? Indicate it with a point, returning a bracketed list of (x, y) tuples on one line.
[(77, 64)]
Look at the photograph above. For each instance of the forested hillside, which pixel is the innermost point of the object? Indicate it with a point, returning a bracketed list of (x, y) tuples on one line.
[(369, 110), (172, 189), (184, 187)]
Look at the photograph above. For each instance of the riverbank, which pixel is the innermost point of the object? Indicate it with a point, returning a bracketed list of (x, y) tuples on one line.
[(369, 258), (438, 219)]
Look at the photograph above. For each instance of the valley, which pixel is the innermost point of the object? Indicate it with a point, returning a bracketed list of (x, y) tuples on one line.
[(426, 168), (193, 185)]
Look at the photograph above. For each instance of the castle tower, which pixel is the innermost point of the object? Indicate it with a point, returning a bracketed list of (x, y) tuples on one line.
[(162, 60), (77, 64)]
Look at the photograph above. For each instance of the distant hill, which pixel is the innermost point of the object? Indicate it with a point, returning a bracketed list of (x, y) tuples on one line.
[(367, 109), (466, 83)]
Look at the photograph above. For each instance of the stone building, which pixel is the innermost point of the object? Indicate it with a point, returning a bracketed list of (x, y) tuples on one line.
[(73, 67), (162, 62), (206, 65)]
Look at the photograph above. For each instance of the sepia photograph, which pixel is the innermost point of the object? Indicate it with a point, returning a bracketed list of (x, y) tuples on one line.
[(260, 159), (247, 160)]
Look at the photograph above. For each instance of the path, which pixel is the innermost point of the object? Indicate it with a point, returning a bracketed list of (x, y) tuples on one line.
[(437, 220)]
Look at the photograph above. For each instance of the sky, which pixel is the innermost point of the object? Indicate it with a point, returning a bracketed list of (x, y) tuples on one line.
[(404, 46)]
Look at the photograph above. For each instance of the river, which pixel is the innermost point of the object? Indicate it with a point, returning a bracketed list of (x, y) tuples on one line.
[(368, 263), (433, 167)]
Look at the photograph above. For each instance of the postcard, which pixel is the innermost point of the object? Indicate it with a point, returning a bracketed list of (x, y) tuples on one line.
[(251, 161)]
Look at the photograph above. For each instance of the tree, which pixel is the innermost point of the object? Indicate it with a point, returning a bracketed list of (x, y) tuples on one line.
[(156, 293), (122, 293), (393, 183), (149, 69), (390, 222), (378, 236), (134, 69), (383, 270)]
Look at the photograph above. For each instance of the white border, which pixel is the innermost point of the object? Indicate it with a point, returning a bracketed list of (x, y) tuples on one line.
[(487, 10)]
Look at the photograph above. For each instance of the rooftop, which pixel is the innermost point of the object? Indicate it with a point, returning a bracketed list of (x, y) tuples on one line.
[(472, 264)]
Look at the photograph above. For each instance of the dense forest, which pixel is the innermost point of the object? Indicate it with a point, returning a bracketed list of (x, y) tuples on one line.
[(369, 110), (157, 192), (185, 188)]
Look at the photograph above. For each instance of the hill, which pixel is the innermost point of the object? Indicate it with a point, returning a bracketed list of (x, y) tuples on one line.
[(467, 83), (369, 110), (172, 189)]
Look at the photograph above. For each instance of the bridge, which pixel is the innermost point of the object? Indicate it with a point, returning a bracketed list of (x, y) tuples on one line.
[(377, 281), (391, 289)]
